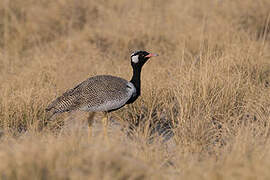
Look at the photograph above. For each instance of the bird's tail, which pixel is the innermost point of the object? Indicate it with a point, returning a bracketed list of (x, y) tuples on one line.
[(64, 103)]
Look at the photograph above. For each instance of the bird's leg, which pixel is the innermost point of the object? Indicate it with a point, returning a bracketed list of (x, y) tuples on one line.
[(90, 120), (105, 126)]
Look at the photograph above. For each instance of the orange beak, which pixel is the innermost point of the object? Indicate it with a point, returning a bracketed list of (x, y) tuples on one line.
[(151, 54)]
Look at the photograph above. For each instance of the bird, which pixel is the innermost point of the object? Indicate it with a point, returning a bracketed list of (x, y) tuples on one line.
[(102, 93)]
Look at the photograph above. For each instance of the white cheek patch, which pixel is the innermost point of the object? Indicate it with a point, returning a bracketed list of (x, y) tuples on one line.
[(135, 59)]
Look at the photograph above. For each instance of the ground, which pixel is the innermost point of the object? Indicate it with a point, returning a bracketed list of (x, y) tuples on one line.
[(204, 112)]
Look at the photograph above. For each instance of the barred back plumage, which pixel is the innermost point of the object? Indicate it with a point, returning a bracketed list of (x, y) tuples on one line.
[(104, 92), (98, 93)]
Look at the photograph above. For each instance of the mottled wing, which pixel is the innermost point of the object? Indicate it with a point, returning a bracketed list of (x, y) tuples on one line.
[(104, 93), (66, 101), (98, 93)]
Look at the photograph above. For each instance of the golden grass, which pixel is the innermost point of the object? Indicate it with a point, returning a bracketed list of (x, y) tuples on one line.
[(210, 84)]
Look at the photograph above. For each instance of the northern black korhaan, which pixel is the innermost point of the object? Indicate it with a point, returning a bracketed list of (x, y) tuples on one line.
[(103, 93)]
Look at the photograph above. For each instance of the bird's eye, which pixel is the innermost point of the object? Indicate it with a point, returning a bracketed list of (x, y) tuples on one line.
[(135, 59)]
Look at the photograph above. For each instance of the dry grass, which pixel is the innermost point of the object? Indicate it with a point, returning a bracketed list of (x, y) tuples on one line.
[(210, 85)]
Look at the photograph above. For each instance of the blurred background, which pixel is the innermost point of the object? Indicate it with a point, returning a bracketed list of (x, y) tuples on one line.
[(209, 87)]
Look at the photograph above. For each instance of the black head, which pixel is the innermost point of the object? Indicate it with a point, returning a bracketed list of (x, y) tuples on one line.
[(139, 58)]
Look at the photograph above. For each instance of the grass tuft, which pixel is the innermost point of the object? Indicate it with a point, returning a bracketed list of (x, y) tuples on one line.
[(204, 110)]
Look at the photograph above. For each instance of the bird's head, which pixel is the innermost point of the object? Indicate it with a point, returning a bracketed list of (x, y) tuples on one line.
[(139, 58)]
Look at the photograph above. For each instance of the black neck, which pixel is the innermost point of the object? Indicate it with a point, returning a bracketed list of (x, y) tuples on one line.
[(136, 81)]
